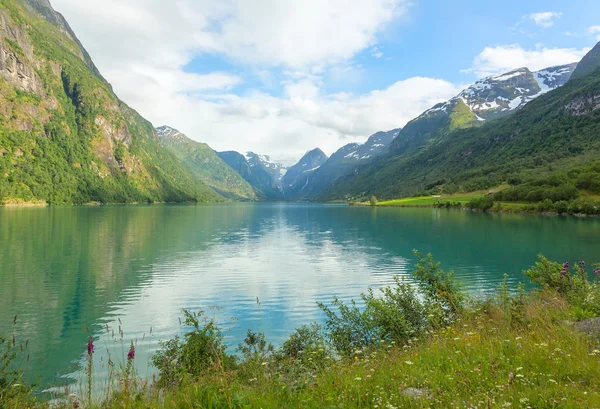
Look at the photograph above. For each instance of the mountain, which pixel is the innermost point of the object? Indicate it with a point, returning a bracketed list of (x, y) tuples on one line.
[(200, 159), (341, 163), (551, 137), (589, 63), (298, 176), (259, 171), (490, 98), (497, 96), (65, 137)]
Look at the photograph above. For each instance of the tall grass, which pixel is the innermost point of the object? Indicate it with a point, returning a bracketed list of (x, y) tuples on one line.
[(410, 346)]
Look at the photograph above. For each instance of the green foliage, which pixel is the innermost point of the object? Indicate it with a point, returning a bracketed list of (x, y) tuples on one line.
[(398, 314), (443, 295), (202, 350), (203, 162), (373, 201), (15, 47), (571, 282), (66, 157), (548, 138), (8, 377), (483, 203), (512, 349)]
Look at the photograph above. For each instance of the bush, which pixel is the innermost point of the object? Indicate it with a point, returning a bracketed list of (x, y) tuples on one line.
[(303, 355), (373, 201), (484, 203), (399, 314), (571, 282), (561, 207), (202, 350), (545, 206)]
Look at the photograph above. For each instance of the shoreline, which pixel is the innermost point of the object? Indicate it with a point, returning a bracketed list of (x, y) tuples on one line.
[(504, 211)]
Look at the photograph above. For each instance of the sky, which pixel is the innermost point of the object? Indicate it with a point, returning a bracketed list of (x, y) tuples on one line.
[(281, 77)]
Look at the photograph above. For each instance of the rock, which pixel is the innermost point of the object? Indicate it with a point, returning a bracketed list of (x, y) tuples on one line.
[(415, 393), (590, 326)]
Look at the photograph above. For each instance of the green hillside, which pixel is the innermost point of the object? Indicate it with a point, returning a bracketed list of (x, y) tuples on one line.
[(431, 127), (64, 135), (204, 162), (556, 136)]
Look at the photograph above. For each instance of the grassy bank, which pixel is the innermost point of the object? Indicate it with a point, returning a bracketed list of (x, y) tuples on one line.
[(431, 201), (418, 345)]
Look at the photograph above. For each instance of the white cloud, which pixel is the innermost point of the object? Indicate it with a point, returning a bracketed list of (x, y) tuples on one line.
[(595, 30), (142, 48), (285, 127), (376, 53), (503, 58), (545, 19)]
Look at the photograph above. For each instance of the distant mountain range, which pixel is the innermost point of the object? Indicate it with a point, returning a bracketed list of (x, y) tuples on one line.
[(549, 137), (206, 164), (486, 100), (65, 137)]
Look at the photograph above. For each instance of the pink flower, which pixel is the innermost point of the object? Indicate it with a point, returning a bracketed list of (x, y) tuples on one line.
[(90, 346), (131, 353)]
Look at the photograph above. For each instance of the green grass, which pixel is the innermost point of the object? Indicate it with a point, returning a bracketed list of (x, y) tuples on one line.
[(514, 349), (427, 201), (483, 360)]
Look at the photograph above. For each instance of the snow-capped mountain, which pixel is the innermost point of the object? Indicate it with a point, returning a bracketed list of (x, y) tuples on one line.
[(487, 99), (166, 132), (298, 176), (342, 162), (496, 96), (259, 170), (276, 170)]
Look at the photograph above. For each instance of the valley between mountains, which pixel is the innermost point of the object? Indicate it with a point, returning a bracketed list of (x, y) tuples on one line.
[(66, 138)]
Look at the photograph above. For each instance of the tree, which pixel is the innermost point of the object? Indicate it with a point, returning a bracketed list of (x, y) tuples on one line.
[(373, 201)]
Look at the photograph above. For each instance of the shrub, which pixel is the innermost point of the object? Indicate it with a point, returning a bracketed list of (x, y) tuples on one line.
[(561, 207), (202, 350), (484, 203), (303, 355), (443, 296), (373, 201), (398, 314), (571, 282), (545, 206), (306, 339)]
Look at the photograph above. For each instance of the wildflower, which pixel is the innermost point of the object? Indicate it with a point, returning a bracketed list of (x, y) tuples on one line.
[(358, 379), (582, 264), (597, 271), (90, 346), (408, 362), (131, 353)]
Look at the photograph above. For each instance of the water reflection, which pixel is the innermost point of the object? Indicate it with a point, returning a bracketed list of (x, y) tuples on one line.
[(63, 269)]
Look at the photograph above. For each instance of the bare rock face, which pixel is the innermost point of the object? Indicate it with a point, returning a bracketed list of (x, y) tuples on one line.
[(120, 133), (15, 71), (583, 105), (16, 55)]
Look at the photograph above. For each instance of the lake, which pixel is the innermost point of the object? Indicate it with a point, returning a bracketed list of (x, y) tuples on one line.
[(69, 270)]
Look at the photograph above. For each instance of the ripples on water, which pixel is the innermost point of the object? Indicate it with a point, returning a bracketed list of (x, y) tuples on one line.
[(63, 269)]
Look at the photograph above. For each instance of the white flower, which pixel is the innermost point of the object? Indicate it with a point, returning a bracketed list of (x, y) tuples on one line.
[(408, 362)]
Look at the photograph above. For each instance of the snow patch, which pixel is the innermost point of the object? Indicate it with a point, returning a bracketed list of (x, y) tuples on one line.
[(508, 76), (515, 103)]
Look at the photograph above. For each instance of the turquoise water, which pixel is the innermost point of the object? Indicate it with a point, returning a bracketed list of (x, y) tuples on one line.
[(69, 270)]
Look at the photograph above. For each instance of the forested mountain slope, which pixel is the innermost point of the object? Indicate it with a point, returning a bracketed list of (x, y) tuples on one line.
[(204, 162), (65, 137), (549, 134)]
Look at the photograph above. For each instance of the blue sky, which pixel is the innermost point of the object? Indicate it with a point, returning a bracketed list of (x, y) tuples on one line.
[(282, 77)]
